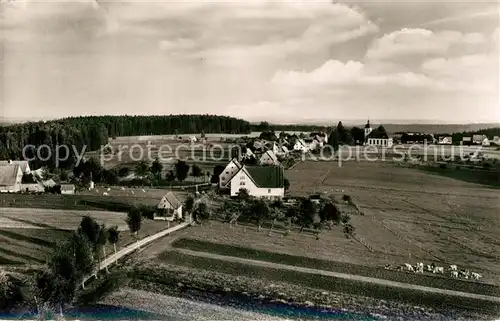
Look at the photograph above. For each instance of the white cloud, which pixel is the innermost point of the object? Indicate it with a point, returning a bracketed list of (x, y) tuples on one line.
[(470, 72), (416, 41), (352, 73)]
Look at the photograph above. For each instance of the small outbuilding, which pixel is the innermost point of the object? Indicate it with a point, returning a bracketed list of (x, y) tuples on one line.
[(169, 208)]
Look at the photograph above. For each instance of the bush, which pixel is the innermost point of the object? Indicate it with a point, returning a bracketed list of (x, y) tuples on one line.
[(345, 218)]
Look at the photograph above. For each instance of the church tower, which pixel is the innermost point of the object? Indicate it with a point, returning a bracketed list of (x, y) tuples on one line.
[(368, 130)]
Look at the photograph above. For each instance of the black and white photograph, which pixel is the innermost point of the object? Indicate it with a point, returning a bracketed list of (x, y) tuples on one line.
[(250, 160)]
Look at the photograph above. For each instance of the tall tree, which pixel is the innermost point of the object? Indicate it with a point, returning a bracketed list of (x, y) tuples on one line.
[(196, 171), (134, 221), (141, 169), (201, 212), (307, 213), (113, 236), (102, 239), (156, 168), (90, 229), (181, 170)]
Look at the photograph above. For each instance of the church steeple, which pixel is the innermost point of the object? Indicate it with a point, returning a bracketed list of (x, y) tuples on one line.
[(368, 130)]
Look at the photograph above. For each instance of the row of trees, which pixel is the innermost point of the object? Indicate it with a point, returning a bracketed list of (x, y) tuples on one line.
[(145, 173), (94, 131), (306, 214)]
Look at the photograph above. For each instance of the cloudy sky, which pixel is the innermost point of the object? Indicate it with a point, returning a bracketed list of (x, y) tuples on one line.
[(279, 60)]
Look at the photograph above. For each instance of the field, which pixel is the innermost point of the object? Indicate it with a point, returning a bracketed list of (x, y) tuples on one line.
[(117, 199), (32, 225), (28, 236), (411, 214), (134, 149)]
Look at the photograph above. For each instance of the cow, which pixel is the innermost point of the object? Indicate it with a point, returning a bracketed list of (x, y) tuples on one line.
[(387, 267), (454, 274), (108, 189), (453, 267), (464, 273), (475, 275), (122, 188), (143, 191), (419, 268), (104, 194), (429, 268), (408, 267), (438, 269), (132, 192)]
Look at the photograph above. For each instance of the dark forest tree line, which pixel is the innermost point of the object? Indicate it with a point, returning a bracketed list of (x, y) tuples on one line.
[(94, 131)]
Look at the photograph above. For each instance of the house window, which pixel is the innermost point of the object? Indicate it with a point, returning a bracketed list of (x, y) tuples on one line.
[(227, 172), (269, 191), (242, 177), (242, 183)]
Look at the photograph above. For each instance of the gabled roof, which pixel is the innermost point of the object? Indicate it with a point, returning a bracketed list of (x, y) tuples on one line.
[(172, 200), (377, 134), (301, 141), (272, 155), (9, 174), (22, 163), (266, 176)]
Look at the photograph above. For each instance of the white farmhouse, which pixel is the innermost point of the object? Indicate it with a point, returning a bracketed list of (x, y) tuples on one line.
[(380, 142), (445, 140), (11, 177), (260, 181), (231, 169), (169, 208), (300, 145), (269, 158)]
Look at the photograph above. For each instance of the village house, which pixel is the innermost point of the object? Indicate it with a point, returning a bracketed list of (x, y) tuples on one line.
[(480, 140), (247, 153), (11, 177), (269, 158), (260, 181), (67, 189), (466, 140), (169, 208), (445, 140), (231, 169), (300, 145)]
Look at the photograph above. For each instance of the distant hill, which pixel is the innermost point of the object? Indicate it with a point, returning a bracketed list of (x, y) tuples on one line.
[(437, 128)]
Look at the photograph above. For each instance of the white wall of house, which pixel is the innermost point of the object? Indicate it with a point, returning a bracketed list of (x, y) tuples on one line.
[(68, 192), (35, 187), (381, 142), (16, 187), (10, 189), (166, 206), (228, 173), (242, 180)]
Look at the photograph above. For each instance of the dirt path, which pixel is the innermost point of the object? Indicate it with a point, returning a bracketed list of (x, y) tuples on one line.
[(342, 276)]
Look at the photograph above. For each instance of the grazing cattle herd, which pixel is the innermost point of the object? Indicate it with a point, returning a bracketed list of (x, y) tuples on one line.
[(432, 268)]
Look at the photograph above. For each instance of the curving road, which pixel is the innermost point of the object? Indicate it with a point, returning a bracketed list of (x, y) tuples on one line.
[(136, 245), (341, 275)]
